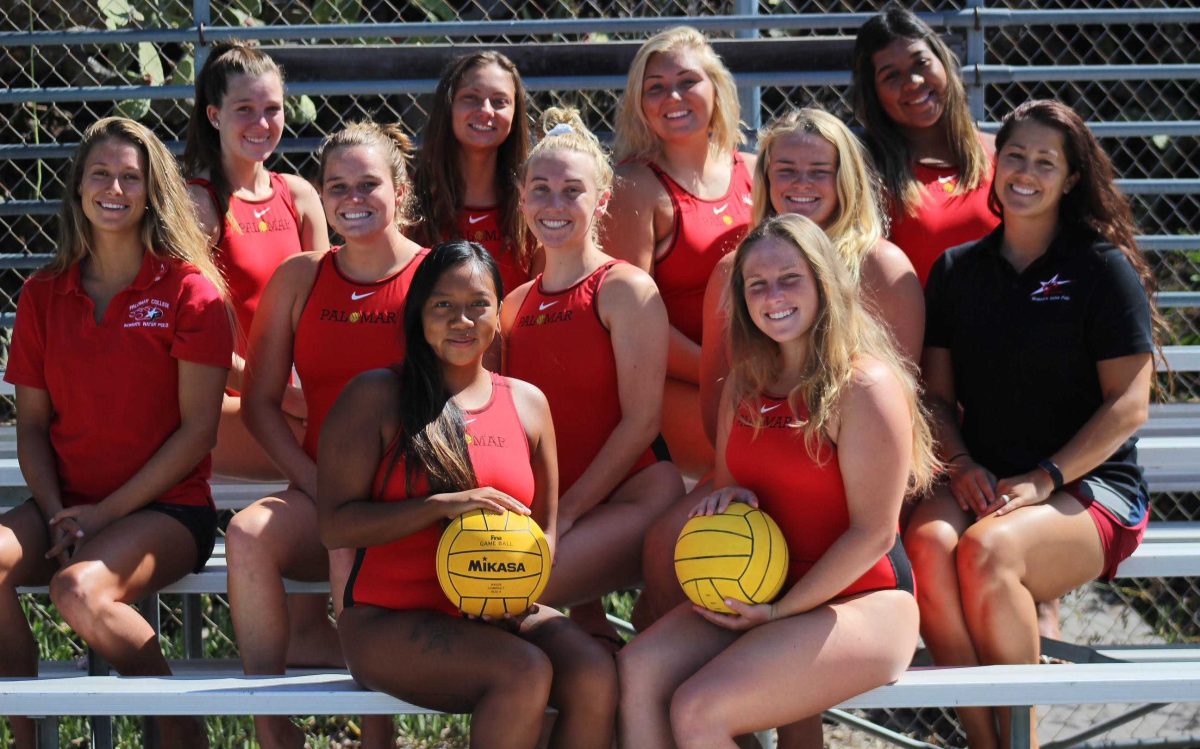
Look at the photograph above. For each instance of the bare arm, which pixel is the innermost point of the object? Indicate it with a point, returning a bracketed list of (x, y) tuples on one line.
[(631, 308), (973, 486), (534, 412), (314, 233), (631, 228), (206, 212), (892, 289), (1125, 386), (270, 355), (714, 352), (353, 443)]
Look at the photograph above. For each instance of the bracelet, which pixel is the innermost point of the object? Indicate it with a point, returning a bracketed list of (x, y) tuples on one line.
[(1050, 467), (956, 456)]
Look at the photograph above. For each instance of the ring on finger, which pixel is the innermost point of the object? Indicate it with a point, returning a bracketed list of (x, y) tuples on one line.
[(1005, 498)]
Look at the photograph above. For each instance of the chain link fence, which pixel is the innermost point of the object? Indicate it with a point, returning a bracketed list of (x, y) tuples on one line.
[(45, 128)]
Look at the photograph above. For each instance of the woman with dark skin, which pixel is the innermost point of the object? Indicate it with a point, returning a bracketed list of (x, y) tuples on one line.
[(394, 467), (1044, 490)]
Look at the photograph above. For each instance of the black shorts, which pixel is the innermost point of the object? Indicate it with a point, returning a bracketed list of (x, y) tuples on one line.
[(200, 521)]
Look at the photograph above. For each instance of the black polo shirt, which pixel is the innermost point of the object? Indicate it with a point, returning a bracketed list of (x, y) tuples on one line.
[(1024, 348)]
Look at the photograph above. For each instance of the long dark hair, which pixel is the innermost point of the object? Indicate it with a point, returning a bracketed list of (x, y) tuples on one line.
[(1094, 205), (432, 429), (888, 145), (436, 179), (202, 150)]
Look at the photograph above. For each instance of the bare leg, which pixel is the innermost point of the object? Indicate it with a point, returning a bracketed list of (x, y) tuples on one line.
[(602, 552), (1007, 563), (652, 667), (23, 545), (274, 538), (837, 651), (931, 541), (451, 664), (129, 559), (662, 592), (584, 690), (237, 453), (683, 429)]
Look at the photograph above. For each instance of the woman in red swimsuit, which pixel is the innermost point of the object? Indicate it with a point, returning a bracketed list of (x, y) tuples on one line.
[(255, 218), (935, 164), (401, 453), (332, 315), (591, 332), (682, 201), (820, 426), (475, 139)]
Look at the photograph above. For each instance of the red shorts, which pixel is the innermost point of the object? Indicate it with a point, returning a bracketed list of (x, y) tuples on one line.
[(1118, 540)]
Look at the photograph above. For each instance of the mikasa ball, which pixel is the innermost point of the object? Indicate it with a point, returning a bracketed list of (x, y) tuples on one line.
[(739, 553), (492, 564)]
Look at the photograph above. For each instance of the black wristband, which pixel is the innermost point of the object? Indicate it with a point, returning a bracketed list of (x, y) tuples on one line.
[(1055, 472), (956, 456)]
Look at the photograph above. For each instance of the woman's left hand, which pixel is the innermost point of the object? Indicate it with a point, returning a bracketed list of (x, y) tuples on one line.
[(1026, 489), (745, 616)]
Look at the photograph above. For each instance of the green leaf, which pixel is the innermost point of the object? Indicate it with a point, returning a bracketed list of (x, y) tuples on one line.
[(134, 109), (335, 11), (299, 110), (1161, 141), (436, 10), (150, 64), (184, 70), (117, 13)]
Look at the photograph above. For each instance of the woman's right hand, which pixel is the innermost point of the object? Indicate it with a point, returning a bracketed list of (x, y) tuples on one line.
[(483, 498), (715, 503), (973, 486)]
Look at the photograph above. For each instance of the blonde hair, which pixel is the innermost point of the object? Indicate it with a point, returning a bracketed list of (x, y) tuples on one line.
[(843, 333), (633, 137), (169, 227), (859, 222), (392, 143), (563, 130)]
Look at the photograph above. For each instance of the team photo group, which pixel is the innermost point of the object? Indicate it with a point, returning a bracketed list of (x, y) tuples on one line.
[(871, 383)]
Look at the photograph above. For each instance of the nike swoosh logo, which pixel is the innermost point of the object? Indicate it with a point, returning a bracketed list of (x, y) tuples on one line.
[(355, 296), (944, 180), (546, 305), (765, 409), (263, 212), (720, 210), (747, 200), (475, 219), (470, 421)]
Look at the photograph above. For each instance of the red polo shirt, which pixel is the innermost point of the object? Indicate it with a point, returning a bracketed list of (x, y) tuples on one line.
[(114, 386)]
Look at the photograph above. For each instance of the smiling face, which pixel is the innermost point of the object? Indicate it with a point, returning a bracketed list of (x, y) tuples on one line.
[(482, 107), (461, 316), (780, 290), (560, 199), (802, 177), (1032, 173), (358, 194), (112, 188), (250, 117), (910, 82), (678, 97)]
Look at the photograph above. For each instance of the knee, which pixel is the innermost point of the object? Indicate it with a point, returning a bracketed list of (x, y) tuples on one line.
[(986, 553), (75, 597), (536, 676), (930, 543), (245, 535), (694, 721)]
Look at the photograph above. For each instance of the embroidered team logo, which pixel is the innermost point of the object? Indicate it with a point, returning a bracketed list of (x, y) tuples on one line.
[(1051, 290), (719, 210), (948, 183), (148, 313), (262, 225)]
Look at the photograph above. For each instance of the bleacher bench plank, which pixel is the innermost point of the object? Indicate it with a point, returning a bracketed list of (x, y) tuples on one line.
[(335, 693)]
